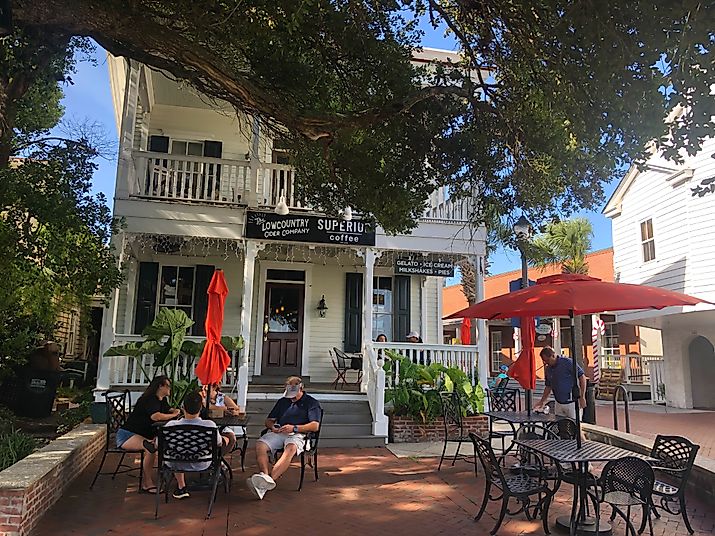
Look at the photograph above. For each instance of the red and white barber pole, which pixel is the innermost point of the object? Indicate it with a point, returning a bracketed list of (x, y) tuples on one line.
[(597, 331)]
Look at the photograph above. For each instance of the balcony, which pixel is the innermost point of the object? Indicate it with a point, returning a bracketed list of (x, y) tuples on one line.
[(220, 181)]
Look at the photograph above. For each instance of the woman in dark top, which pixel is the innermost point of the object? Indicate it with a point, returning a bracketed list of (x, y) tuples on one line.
[(139, 429)]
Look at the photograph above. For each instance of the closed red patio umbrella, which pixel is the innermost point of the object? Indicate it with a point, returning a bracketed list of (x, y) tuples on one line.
[(465, 331), (214, 359)]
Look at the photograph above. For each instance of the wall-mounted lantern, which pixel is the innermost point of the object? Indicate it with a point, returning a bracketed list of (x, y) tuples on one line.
[(322, 308)]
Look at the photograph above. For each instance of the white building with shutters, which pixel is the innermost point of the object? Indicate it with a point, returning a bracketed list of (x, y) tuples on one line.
[(197, 187), (663, 220)]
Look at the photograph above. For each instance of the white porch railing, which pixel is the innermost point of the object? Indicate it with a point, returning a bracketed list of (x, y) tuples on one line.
[(274, 181), (657, 380), (191, 178), (442, 208), (128, 371), (374, 386), (636, 367), (463, 357)]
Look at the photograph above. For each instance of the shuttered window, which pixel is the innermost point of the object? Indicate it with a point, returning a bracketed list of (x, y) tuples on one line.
[(401, 311), (353, 313)]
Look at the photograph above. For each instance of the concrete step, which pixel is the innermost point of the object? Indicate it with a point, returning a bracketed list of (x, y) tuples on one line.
[(352, 442), (340, 407)]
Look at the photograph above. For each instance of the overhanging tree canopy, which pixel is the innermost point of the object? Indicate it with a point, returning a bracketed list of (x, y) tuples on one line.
[(560, 94)]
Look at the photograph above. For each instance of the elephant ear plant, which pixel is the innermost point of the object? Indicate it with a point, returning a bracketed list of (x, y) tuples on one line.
[(173, 355)]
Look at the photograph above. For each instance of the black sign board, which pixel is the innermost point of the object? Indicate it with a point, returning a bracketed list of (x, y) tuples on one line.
[(424, 266), (306, 228)]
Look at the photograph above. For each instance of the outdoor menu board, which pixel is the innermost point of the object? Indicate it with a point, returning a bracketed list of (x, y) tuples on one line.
[(307, 228), (424, 266)]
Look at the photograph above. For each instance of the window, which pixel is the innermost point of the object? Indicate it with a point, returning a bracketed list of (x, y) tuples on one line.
[(176, 288), (497, 355), (382, 307), (187, 148), (611, 348), (647, 240)]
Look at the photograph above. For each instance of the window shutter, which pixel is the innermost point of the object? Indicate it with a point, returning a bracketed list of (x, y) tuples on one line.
[(353, 313), (145, 307), (213, 149), (401, 313), (204, 273), (159, 144)]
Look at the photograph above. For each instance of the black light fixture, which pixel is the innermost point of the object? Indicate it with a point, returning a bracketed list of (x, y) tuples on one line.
[(322, 308)]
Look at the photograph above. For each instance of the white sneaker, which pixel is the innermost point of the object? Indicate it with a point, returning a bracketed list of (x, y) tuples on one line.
[(263, 482), (257, 493)]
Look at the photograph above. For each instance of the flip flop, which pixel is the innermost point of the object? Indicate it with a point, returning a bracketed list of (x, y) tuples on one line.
[(151, 491)]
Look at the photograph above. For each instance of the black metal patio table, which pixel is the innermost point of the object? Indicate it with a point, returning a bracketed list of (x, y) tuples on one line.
[(568, 452), (519, 418)]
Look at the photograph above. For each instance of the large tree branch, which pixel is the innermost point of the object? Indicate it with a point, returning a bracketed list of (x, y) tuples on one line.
[(139, 36)]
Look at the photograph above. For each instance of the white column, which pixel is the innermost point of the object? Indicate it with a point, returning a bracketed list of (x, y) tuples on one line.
[(249, 268), (482, 331), (257, 191), (126, 176), (423, 311), (109, 326), (370, 255)]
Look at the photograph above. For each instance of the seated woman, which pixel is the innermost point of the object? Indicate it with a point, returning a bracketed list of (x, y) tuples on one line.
[(222, 401), (139, 431)]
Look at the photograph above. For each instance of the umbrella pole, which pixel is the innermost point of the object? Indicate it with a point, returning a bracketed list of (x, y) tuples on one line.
[(576, 392)]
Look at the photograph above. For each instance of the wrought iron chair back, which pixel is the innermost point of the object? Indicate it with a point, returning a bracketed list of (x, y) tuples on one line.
[(630, 475), (188, 443), (503, 400), (675, 452), (563, 428), (118, 408), (488, 459), (452, 413)]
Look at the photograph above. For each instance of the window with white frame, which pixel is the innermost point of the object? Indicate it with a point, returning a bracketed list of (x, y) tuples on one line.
[(176, 288), (382, 307), (647, 240), (611, 348), (496, 353)]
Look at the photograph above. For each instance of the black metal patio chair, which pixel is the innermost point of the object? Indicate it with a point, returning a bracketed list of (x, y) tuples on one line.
[(188, 448), (503, 400), (676, 457), (118, 408), (343, 363), (522, 487), (453, 426), (626, 483)]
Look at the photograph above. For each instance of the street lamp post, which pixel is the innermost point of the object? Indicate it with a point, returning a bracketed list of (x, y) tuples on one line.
[(522, 232)]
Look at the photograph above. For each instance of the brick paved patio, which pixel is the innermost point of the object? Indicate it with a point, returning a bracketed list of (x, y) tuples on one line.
[(360, 491)]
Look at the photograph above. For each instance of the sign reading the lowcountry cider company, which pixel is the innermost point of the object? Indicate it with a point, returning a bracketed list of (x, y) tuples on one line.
[(305, 228), (424, 266)]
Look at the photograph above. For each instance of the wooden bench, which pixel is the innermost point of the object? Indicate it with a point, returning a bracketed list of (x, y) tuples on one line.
[(610, 379)]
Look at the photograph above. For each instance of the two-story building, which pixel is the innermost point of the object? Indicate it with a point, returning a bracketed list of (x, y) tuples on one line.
[(663, 219), (201, 187)]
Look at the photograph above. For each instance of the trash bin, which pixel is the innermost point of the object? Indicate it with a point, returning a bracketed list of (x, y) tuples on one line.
[(37, 391), (589, 412)]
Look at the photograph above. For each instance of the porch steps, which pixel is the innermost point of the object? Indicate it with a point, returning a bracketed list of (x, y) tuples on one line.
[(347, 423)]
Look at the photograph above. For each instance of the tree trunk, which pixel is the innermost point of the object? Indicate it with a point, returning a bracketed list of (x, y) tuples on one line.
[(578, 341)]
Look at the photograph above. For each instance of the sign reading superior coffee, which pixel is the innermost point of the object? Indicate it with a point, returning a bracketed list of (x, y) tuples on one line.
[(422, 266), (305, 228)]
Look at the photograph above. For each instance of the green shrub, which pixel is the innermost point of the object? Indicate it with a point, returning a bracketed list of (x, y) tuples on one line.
[(70, 418), (14, 446)]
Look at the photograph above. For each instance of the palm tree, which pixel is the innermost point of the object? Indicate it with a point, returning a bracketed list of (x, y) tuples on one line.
[(565, 243)]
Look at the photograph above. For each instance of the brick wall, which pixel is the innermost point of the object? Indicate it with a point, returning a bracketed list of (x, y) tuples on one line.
[(406, 430), (31, 486)]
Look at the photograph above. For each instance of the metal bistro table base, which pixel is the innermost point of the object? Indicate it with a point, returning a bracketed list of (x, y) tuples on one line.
[(587, 527)]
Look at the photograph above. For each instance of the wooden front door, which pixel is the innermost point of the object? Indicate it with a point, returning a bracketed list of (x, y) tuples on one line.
[(283, 329)]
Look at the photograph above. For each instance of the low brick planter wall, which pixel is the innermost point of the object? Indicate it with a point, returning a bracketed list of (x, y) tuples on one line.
[(30, 487), (407, 430)]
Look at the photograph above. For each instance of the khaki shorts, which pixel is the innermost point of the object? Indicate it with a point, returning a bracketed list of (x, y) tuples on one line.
[(279, 441), (566, 410)]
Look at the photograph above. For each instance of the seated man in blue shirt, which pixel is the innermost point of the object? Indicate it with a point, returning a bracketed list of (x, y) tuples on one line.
[(294, 415), (560, 381)]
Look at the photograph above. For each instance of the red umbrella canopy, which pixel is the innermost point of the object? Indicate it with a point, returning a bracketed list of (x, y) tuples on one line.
[(562, 294), (214, 359), (465, 335), (524, 368)]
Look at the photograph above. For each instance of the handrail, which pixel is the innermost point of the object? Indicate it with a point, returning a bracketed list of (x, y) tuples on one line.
[(621, 389)]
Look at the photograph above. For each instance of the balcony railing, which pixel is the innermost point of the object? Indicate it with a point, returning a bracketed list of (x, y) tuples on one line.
[(198, 179)]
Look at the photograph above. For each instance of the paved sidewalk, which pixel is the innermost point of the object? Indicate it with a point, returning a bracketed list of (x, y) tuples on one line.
[(648, 421), (360, 491)]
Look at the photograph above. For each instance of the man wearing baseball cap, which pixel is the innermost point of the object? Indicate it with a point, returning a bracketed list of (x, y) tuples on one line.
[(294, 415)]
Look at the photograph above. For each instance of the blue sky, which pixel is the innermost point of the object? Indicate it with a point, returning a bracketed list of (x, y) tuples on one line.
[(89, 97)]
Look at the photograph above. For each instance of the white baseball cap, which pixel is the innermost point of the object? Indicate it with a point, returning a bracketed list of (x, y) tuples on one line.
[(414, 334)]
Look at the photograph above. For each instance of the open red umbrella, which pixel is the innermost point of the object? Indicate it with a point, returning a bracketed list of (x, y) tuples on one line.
[(214, 359), (574, 294), (465, 331)]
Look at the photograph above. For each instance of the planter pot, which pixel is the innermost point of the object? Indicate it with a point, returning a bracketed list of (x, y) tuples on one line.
[(407, 430), (98, 412)]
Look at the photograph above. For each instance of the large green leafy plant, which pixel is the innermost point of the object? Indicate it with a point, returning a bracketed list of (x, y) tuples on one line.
[(415, 388), (174, 356)]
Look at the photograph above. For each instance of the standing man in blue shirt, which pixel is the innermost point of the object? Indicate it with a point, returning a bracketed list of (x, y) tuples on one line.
[(293, 416), (560, 381)]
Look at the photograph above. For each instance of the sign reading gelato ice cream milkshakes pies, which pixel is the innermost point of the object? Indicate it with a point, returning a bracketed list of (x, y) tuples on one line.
[(306, 228)]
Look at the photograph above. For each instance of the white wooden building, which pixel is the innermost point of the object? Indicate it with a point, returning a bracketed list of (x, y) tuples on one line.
[(663, 221), (197, 186)]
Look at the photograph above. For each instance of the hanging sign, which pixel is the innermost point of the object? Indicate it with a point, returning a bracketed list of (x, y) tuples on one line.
[(423, 266), (306, 228), (544, 329)]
